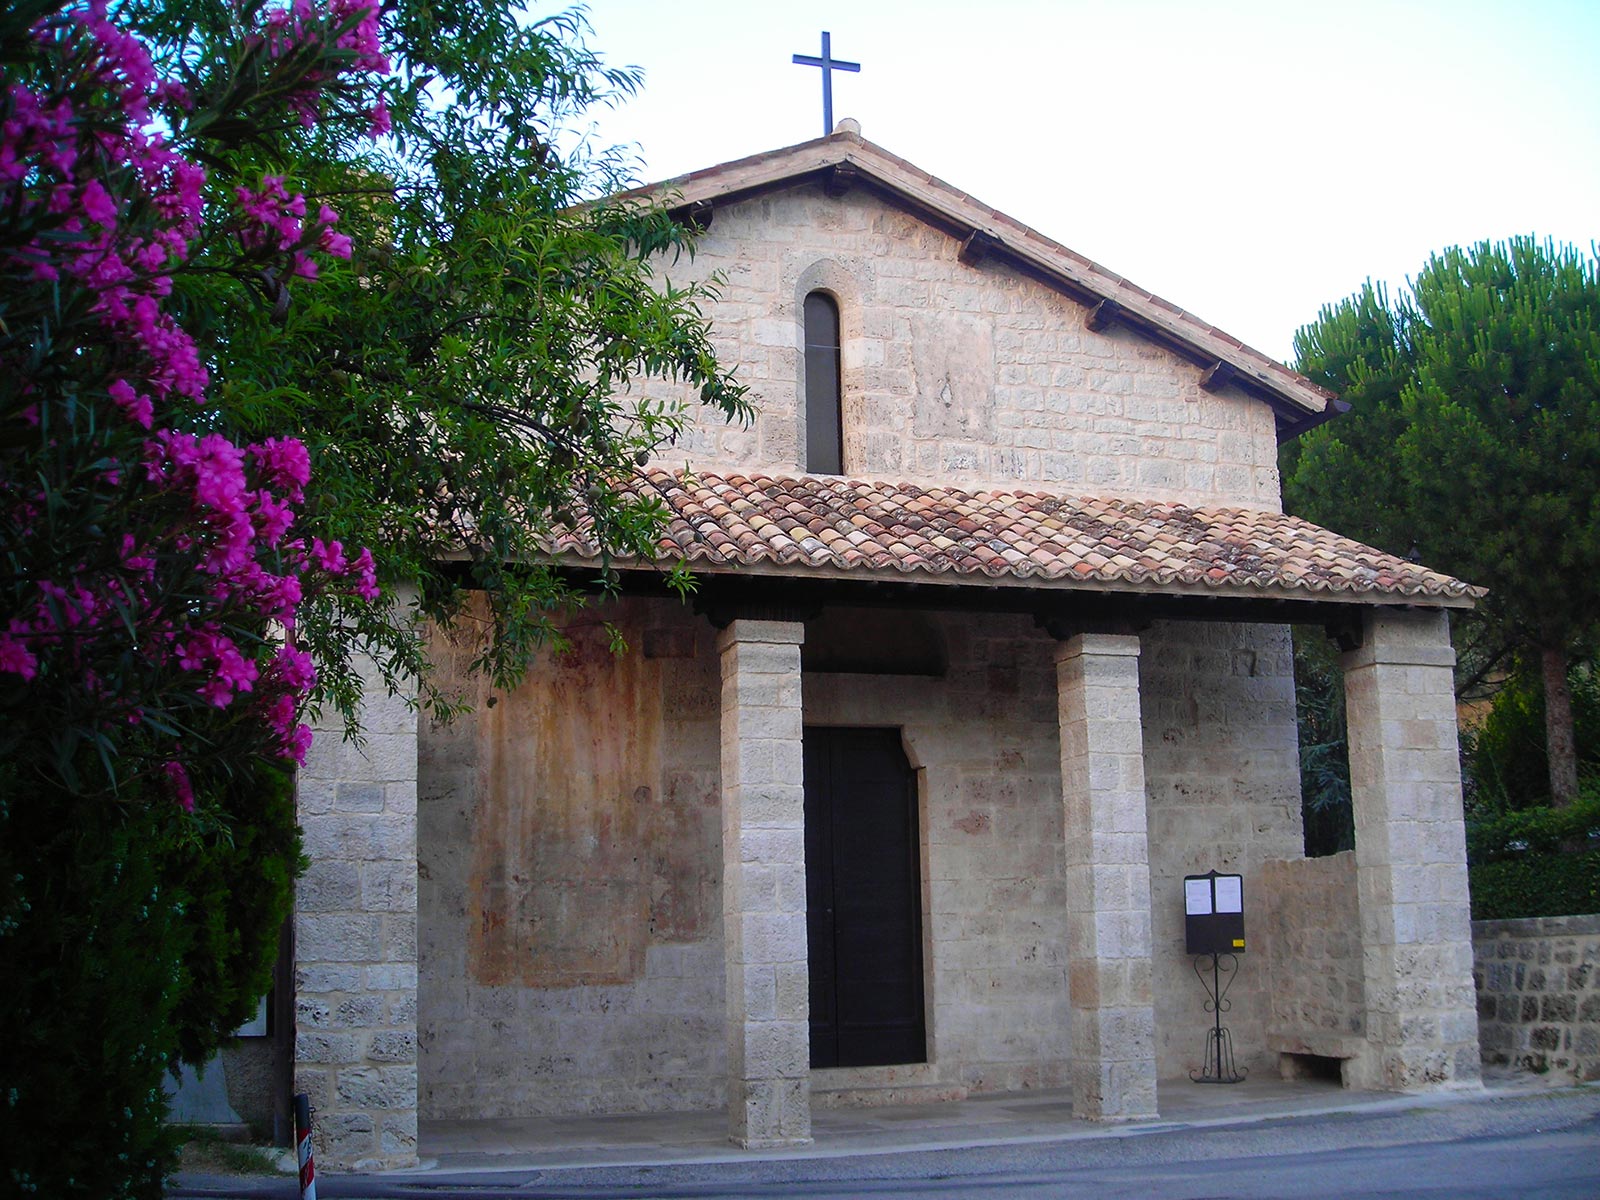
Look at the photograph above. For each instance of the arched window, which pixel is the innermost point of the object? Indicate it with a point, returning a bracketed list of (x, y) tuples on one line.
[(824, 425)]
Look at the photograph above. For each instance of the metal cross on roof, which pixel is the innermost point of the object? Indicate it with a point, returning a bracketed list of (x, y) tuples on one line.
[(829, 65)]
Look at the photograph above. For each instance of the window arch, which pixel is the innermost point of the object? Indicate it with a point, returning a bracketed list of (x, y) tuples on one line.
[(824, 419)]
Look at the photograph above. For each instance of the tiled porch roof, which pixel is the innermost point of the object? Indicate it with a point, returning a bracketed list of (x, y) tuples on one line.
[(813, 527)]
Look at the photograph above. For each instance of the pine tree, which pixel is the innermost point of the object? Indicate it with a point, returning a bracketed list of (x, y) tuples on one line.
[(1473, 442)]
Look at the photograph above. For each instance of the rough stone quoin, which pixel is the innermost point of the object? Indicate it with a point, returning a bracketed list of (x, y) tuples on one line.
[(356, 935), (764, 885), (1411, 866), (1107, 879)]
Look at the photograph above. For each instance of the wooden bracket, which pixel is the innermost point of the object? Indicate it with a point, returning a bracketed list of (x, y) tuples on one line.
[(1101, 315), (979, 246), (841, 177), (700, 214), (697, 216), (1347, 635), (1065, 627), (724, 612), (1217, 376)]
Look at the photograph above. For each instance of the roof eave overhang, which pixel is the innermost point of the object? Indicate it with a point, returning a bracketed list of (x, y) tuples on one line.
[(1176, 601)]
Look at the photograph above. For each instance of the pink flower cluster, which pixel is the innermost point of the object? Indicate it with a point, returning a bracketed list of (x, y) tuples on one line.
[(107, 208), (292, 27), (276, 224)]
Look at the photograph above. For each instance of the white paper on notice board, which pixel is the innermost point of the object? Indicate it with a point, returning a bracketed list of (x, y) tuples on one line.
[(1197, 897), (1230, 894)]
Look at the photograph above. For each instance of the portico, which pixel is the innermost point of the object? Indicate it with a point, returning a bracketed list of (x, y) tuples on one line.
[(1044, 574)]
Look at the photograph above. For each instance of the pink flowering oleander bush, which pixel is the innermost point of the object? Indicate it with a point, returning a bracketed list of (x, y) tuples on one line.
[(208, 412), (154, 570), (471, 374), (156, 563)]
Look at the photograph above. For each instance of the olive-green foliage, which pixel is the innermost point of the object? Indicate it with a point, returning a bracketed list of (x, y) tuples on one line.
[(1536, 862), (1505, 760), (237, 872), (1547, 885), (1473, 436), (1534, 831), (91, 986), (130, 936), (463, 382), (1329, 821)]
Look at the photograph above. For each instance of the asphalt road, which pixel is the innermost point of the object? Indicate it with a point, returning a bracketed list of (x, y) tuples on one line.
[(1539, 1147)]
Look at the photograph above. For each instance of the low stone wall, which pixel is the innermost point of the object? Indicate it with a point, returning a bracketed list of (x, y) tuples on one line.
[(1538, 982), (1310, 935)]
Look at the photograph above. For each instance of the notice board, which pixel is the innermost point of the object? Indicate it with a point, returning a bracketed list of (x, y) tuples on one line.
[(1213, 913)]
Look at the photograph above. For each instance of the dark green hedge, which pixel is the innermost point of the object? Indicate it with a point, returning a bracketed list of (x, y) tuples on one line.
[(1536, 885), (1536, 862), (1534, 830), (131, 936)]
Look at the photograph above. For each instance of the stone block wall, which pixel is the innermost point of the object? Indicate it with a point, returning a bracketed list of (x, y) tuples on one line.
[(570, 864), (251, 1082), (630, 1016), (1538, 983), (1222, 772), (355, 937), (1310, 939), (571, 953), (954, 374)]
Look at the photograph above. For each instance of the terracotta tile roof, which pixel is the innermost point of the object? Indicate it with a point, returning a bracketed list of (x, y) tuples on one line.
[(832, 526)]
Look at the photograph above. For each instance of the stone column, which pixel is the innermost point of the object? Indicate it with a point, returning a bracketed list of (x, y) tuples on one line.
[(1107, 879), (355, 933), (1411, 860), (764, 885)]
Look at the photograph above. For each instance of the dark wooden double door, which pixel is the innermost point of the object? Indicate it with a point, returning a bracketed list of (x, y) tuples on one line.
[(863, 899)]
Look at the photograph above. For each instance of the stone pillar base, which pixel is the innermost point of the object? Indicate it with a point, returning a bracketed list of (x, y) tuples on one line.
[(770, 1114), (764, 886), (1108, 879), (1411, 860)]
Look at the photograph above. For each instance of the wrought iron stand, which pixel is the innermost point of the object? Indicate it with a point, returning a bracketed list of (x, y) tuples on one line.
[(1219, 1066)]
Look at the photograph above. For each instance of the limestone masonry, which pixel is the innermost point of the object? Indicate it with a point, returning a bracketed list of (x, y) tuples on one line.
[(596, 892), (1539, 994), (953, 375)]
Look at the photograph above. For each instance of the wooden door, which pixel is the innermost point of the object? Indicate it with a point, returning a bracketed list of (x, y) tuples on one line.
[(863, 899)]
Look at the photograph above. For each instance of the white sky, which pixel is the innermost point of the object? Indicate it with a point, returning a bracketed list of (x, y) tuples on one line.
[(1249, 160)]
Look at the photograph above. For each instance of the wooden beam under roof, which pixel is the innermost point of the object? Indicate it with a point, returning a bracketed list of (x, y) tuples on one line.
[(1218, 376), (979, 246), (1054, 607), (839, 179), (1098, 318)]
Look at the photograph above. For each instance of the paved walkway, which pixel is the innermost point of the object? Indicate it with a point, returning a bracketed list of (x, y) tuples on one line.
[(1003, 1119), (688, 1153)]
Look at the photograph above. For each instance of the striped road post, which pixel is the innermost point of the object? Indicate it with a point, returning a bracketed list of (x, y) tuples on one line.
[(302, 1146)]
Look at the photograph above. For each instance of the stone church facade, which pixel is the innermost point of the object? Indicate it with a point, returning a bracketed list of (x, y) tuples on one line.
[(989, 651)]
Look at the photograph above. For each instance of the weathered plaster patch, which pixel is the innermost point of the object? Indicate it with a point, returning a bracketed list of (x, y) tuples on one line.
[(581, 857), (952, 363)]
